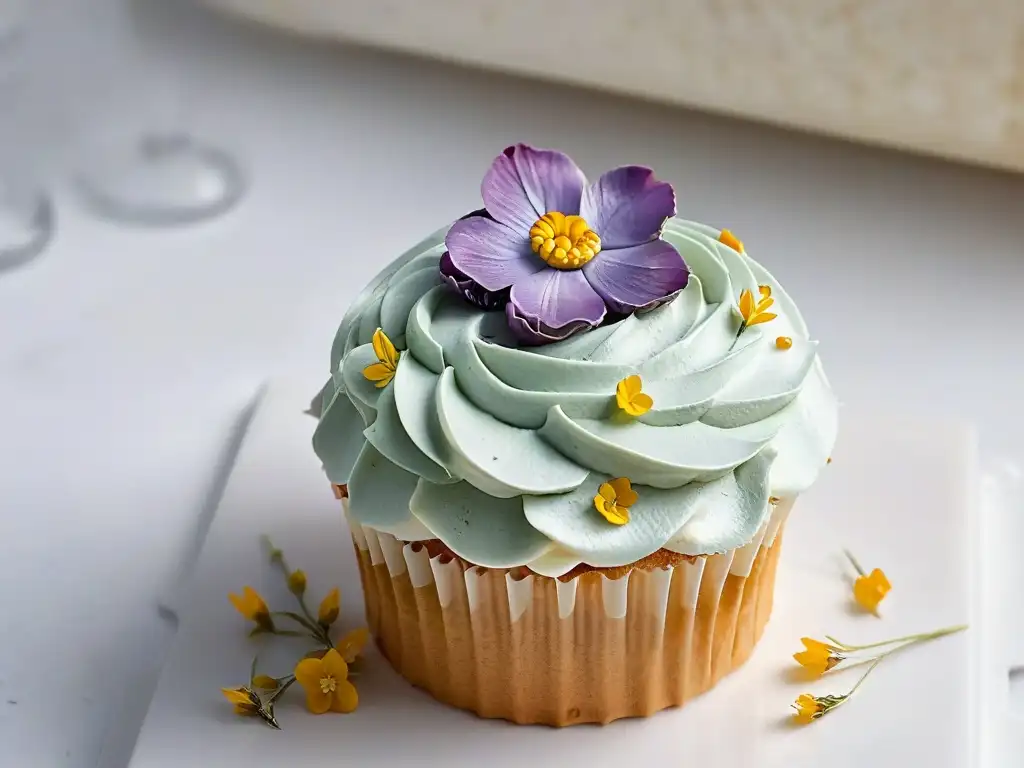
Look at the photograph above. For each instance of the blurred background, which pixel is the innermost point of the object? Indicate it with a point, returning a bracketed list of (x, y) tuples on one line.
[(191, 194)]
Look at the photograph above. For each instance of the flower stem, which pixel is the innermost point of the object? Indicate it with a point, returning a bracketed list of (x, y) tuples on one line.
[(853, 560), (864, 677), (282, 688), (319, 633), (904, 641), (739, 332)]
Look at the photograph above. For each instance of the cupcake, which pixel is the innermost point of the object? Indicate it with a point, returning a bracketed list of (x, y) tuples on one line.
[(567, 431)]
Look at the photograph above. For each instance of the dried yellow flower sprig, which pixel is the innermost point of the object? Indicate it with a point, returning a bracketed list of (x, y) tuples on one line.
[(869, 589), (819, 658), (249, 703), (808, 708), (323, 672)]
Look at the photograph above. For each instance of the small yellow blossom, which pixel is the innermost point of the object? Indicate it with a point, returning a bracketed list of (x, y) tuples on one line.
[(630, 398), (756, 313), (297, 582), (818, 657), (807, 709), (329, 608), (252, 607), (326, 684), (351, 645), (614, 499), (729, 239), (265, 682), (383, 371), (245, 701), (871, 589)]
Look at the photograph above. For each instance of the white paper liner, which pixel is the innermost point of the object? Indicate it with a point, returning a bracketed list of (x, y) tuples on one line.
[(709, 572)]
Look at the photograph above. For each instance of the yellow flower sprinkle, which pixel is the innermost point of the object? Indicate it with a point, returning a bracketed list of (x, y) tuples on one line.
[(297, 582), (630, 398), (326, 684), (818, 657), (329, 607), (755, 313), (383, 371), (869, 589), (253, 608), (614, 499), (783, 342), (729, 239)]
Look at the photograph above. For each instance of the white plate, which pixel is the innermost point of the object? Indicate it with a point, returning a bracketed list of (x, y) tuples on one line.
[(901, 495)]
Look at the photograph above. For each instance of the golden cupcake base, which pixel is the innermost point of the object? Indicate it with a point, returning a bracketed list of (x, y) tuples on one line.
[(588, 650)]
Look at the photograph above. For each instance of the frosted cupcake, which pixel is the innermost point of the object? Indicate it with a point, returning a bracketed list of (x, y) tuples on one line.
[(567, 430)]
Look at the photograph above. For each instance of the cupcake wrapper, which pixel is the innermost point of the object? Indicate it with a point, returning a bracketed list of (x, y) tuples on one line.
[(587, 650)]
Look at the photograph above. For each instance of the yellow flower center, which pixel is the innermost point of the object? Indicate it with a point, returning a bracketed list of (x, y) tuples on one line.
[(564, 242), (328, 684)]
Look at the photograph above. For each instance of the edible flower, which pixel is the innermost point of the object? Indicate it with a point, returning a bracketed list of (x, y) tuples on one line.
[(756, 313), (614, 499), (265, 682), (818, 657), (809, 708), (728, 238), (323, 670), (297, 582), (326, 684), (253, 608), (351, 645), (821, 657), (869, 589), (631, 398), (567, 252), (248, 703), (329, 606), (383, 371), (245, 701)]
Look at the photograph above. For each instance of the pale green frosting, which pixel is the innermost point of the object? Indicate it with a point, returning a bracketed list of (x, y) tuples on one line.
[(498, 451)]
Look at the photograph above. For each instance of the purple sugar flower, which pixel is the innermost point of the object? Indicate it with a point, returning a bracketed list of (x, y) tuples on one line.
[(563, 251)]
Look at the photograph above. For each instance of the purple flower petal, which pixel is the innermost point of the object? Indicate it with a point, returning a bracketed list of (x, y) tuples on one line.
[(524, 183), (468, 288), (478, 212), (490, 253), (627, 206), (553, 304), (533, 333), (635, 278)]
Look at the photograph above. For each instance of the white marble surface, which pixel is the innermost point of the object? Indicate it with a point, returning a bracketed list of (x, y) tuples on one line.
[(128, 356)]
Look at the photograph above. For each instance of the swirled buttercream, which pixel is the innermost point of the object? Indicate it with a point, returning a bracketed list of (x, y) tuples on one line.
[(497, 449)]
